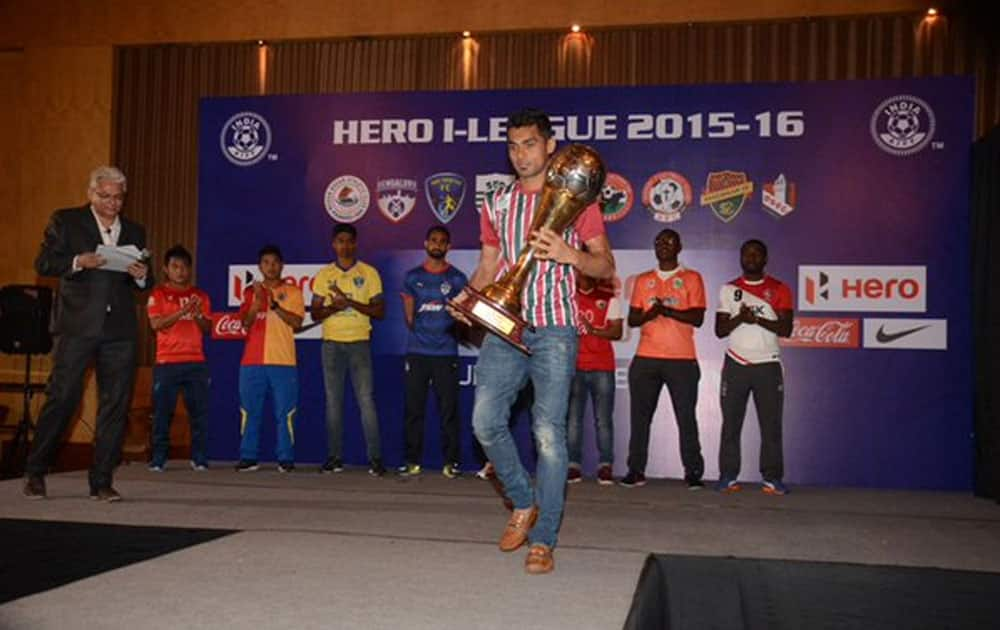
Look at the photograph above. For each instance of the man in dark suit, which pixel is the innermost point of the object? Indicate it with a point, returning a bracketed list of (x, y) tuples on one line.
[(95, 320)]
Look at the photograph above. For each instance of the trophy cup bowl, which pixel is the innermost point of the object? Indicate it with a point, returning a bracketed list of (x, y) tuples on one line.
[(573, 181)]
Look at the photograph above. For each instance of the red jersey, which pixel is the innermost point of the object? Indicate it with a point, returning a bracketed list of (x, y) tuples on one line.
[(181, 342), (597, 307)]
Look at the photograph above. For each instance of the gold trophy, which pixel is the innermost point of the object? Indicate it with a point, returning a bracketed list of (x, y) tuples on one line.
[(572, 182)]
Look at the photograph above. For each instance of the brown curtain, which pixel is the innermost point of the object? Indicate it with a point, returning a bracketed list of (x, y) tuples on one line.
[(157, 87)]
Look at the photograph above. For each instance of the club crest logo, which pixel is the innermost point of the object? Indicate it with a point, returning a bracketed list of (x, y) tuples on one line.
[(488, 184), (359, 282), (666, 196), (245, 138), (779, 197), (445, 192), (616, 198), (346, 199), (397, 197), (902, 125), (445, 288), (726, 192)]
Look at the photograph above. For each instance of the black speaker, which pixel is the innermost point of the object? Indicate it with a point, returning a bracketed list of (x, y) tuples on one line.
[(25, 311)]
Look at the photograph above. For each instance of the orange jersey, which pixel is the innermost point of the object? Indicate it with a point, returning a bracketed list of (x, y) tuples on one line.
[(665, 337), (270, 341)]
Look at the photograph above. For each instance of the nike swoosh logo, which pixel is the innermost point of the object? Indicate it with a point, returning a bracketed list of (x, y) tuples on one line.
[(883, 337)]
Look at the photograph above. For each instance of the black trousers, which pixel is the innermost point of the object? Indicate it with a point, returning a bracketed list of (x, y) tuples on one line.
[(114, 360), (646, 378), (766, 382), (441, 373)]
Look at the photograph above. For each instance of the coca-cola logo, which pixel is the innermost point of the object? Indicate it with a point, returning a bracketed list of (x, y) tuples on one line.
[(824, 332), (227, 326)]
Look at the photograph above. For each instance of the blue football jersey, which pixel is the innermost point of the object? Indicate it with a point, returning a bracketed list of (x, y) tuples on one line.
[(433, 330)]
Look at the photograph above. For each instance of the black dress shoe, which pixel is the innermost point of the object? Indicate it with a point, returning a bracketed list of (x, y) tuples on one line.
[(105, 494), (34, 487)]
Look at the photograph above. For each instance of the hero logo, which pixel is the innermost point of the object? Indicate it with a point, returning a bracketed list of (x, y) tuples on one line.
[(242, 276), (875, 288)]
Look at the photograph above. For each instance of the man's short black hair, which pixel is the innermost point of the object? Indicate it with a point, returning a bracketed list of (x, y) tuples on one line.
[(345, 228), (666, 232), (754, 241), (180, 253), (531, 116), (269, 249), (438, 228)]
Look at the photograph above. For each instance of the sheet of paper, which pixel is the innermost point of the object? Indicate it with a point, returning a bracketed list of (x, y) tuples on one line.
[(118, 258)]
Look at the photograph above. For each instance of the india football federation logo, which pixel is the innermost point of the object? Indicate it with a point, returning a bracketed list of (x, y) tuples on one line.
[(726, 192), (902, 125), (779, 197), (488, 184), (445, 192), (666, 196), (396, 197), (245, 138), (616, 198), (346, 199)]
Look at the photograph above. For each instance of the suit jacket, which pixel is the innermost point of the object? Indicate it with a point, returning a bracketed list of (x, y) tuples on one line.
[(90, 302)]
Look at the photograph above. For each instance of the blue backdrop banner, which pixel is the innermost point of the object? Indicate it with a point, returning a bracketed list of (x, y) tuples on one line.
[(860, 190)]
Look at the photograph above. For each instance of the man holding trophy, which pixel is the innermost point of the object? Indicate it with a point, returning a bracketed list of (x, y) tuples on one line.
[(532, 232)]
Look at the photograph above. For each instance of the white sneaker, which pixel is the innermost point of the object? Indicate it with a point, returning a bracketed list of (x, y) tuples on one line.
[(486, 471)]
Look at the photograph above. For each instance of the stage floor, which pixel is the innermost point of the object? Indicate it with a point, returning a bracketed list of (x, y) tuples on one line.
[(352, 551)]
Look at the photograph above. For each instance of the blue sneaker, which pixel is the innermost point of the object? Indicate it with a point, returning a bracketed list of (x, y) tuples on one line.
[(774, 487), (728, 485)]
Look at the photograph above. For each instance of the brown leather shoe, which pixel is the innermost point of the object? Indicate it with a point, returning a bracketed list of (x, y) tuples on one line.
[(516, 532), (105, 494), (539, 560), (34, 487)]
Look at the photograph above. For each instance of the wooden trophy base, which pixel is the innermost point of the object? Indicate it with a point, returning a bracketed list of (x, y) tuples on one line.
[(493, 317)]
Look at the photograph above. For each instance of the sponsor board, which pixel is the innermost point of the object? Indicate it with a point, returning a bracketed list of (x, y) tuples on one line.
[(823, 332), (229, 327), (863, 288), (242, 276), (910, 334)]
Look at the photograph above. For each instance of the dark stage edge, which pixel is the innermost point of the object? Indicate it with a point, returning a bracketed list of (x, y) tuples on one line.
[(41, 555), (681, 592)]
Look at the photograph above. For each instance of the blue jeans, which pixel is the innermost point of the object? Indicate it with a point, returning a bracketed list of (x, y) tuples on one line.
[(500, 373), (601, 386), (338, 358), (283, 382), (170, 379)]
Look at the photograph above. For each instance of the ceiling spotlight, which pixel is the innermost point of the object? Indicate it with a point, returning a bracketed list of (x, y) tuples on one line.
[(466, 34), (260, 42), (932, 12), (575, 28)]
